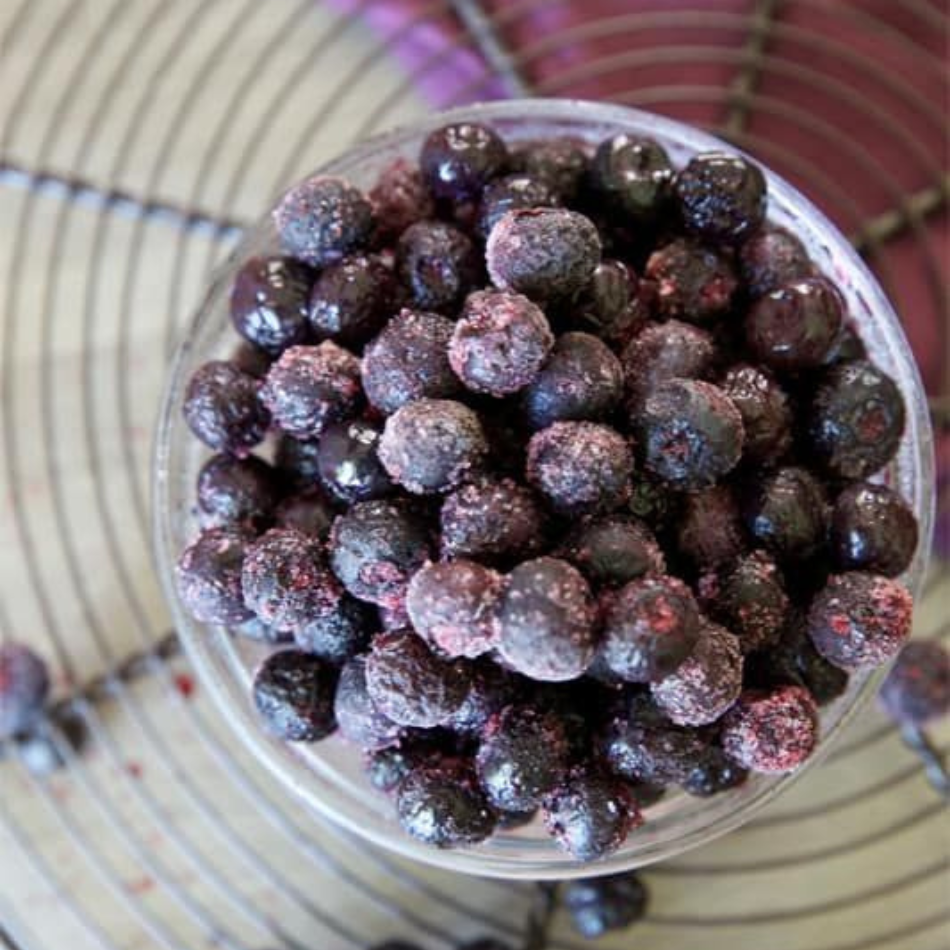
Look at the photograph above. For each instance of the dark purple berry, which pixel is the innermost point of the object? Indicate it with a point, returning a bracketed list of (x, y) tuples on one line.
[(410, 684), (611, 306), (409, 360), (438, 263), (500, 344), (432, 445), (714, 773), (652, 501), (348, 464), (222, 408), (24, 686), (208, 576), (860, 620), (400, 198), (917, 689), (309, 512), (457, 161), (375, 548), (491, 689), (873, 529), (709, 528), (394, 618), (351, 300), (257, 630), (857, 420), (580, 467), (614, 550), (721, 197), (598, 905), (771, 731), (337, 634), (766, 414), (650, 628), (322, 220), (543, 253), (511, 820), (547, 621), (849, 346), (795, 327), (582, 379), (491, 520), (236, 491), (311, 386), (694, 282), (770, 258), (690, 433), (296, 461), (522, 756), (269, 302), (561, 163), (386, 768), (251, 359), (788, 513), (286, 581), (293, 692), (453, 605), (511, 193), (357, 715), (634, 177)]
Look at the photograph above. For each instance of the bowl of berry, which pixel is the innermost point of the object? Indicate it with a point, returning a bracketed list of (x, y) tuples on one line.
[(541, 488)]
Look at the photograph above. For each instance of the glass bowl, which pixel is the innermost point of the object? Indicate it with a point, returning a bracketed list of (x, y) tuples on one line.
[(326, 776)]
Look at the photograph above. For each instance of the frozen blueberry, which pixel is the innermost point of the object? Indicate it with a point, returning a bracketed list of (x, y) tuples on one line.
[(582, 379), (257, 630), (293, 692), (650, 628), (269, 302), (771, 258), (251, 359), (771, 731), (491, 689), (286, 581), (400, 198), (236, 491), (296, 462), (522, 756), (222, 408), (510, 193), (612, 306), (633, 175), (917, 689), (714, 773), (694, 282), (706, 683), (873, 529), (357, 715), (849, 346), (491, 520), (652, 501), (590, 814), (410, 684), (788, 513), (442, 805), (597, 905), (500, 344), (766, 414), (351, 300), (309, 512), (375, 548), (561, 163), (690, 433), (547, 621), (438, 263), (860, 620), (721, 197), (311, 386), (337, 634), (795, 327), (386, 768), (457, 161), (322, 220), (662, 351), (709, 528), (454, 606), (208, 576), (24, 686), (409, 360), (348, 463), (580, 467), (614, 550), (857, 420), (543, 253)]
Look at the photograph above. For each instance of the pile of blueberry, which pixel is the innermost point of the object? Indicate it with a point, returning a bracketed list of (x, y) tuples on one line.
[(568, 501)]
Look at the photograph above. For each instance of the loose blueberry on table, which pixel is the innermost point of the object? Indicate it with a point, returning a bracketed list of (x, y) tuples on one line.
[(566, 533)]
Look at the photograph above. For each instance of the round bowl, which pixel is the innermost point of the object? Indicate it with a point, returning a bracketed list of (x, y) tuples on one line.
[(326, 776)]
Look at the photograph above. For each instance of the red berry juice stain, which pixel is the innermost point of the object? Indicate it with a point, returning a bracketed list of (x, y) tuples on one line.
[(184, 684)]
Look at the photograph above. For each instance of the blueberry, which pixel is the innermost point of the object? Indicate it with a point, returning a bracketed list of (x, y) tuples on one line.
[(223, 410), (400, 198), (251, 359), (510, 193), (917, 689), (311, 386), (652, 501), (457, 161), (547, 621), (721, 197), (293, 692), (873, 529), (386, 768), (322, 220), (236, 491), (765, 410), (612, 306), (561, 163), (788, 513), (614, 550), (409, 360), (438, 264), (296, 462), (348, 464), (709, 528), (269, 302), (309, 512), (337, 634), (714, 773), (357, 715), (24, 686), (694, 282), (597, 905), (634, 175), (208, 576), (771, 258), (582, 379), (260, 632), (351, 300)]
